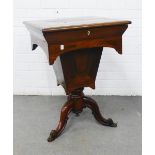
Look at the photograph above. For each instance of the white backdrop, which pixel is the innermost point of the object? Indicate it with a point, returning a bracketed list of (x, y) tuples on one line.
[(117, 75)]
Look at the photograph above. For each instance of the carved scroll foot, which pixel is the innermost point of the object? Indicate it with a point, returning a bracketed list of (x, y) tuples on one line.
[(66, 109), (52, 136), (90, 103)]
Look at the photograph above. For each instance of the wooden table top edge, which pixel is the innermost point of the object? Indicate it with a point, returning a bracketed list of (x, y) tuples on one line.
[(79, 26), (83, 26)]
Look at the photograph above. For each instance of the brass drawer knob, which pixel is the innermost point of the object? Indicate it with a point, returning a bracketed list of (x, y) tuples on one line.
[(88, 33)]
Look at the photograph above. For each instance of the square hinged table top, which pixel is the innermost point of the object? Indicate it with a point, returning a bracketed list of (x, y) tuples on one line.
[(74, 23)]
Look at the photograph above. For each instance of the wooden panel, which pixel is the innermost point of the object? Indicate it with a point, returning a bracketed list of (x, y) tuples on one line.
[(72, 40), (79, 68), (55, 50), (61, 37)]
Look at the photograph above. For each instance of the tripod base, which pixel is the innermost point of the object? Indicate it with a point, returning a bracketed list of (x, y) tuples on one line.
[(76, 102)]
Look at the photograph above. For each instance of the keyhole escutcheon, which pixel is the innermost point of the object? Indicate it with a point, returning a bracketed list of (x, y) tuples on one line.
[(88, 33)]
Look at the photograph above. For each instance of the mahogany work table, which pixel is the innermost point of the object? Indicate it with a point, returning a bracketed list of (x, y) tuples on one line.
[(74, 48)]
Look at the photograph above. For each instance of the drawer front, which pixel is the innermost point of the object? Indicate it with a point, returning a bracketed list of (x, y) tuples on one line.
[(60, 37)]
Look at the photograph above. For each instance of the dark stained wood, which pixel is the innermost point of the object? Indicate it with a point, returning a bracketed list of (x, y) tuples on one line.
[(115, 43), (98, 37), (59, 37), (77, 68), (74, 49), (90, 103), (76, 102), (66, 109)]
